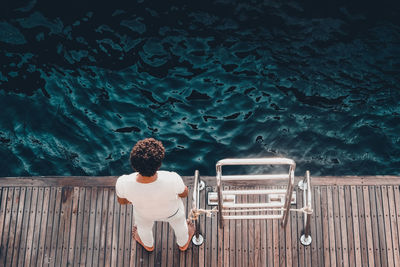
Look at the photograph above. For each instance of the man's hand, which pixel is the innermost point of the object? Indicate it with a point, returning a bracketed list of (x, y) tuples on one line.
[(184, 193), (123, 201)]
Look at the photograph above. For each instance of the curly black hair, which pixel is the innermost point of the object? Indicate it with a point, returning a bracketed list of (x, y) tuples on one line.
[(146, 156)]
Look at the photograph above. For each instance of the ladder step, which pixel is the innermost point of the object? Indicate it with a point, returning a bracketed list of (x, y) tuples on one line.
[(253, 205), (240, 217), (255, 177), (230, 197), (254, 192)]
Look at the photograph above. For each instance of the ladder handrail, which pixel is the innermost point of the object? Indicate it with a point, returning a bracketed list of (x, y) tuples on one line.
[(255, 161), (252, 161)]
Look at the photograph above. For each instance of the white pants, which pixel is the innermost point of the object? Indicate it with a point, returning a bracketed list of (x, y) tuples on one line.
[(177, 222)]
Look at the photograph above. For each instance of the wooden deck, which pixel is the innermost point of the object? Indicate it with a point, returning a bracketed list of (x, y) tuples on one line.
[(76, 221)]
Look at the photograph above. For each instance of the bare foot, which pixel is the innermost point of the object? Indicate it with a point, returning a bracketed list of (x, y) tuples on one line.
[(136, 236), (191, 229)]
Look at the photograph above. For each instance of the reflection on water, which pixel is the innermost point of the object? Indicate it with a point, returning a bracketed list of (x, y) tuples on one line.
[(79, 85)]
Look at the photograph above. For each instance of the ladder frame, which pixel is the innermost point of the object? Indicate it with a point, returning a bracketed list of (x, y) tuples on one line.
[(256, 161)]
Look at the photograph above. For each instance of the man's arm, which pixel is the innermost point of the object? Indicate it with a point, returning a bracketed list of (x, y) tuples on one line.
[(184, 193), (123, 201)]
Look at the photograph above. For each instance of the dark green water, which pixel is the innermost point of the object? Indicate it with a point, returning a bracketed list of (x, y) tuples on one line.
[(315, 82)]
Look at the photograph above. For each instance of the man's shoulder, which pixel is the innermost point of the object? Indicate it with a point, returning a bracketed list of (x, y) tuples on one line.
[(126, 178), (167, 174)]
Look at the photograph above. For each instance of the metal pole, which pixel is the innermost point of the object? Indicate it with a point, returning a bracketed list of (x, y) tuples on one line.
[(220, 208), (306, 239), (197, 238), (288, 197), (196, 180), (307, 231)]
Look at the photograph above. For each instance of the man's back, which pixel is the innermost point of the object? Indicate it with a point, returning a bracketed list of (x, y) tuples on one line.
[(156, 200)]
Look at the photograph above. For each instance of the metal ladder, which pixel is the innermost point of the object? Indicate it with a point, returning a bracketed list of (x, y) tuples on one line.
[(276, 202)]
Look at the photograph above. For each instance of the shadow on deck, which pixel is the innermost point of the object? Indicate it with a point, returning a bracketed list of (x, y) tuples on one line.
[(71, 221)]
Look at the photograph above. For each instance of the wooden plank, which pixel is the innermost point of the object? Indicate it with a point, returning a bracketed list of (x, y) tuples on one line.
[(6, 224), (325, 225), (171, 247), (362, 222), (208, 235), (115, 231), (288, 244), (159, 243), (374, 224), (307, 249), (56, 224), (263, 234), (24, 230), (43, 227), (189, 261), (130, 245), (97, 228), (49, 228), (63, 233), (396, 189), (343, 224), (104, 225), (121, 238), (37, 226), (85, 226), (164, 252), (245, 238), (313, 225), (337, 225), (31, 227), (226, 236), (72, 232), (356, 226), (300, 228), (257, 238), (368, 226), (79, 226), (129, 241), (294, 238), (9, 249), (202, 219), (318, 226), (251, 238), (156, 255), (187, 203), (3, 211), (19, 228), (92, 221), (281, 245), (394, 224), (66, 217), (381, 226), (331, 227), (388, 230), (349, 221), (236, 258), (214, 240)]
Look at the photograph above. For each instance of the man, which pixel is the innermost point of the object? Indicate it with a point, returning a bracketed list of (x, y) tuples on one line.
[(155, 195)]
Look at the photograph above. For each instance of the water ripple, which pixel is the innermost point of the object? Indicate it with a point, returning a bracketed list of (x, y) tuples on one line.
[(222, 79)]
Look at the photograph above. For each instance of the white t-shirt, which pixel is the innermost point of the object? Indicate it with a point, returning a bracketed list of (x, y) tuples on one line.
[(157, 200)]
